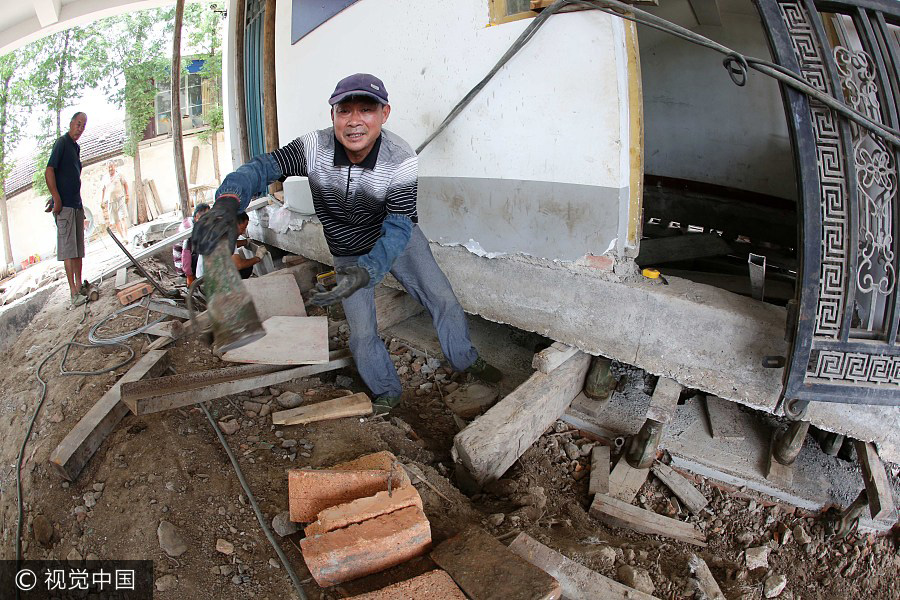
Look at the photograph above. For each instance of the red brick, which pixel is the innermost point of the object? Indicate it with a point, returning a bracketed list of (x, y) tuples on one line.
[(361, 509), (135, 292), (368, 547), (434, 585), (603, 262), (311, 491)]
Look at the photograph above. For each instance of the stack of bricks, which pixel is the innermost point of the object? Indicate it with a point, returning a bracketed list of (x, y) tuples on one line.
[(368, 517), (433, 585)]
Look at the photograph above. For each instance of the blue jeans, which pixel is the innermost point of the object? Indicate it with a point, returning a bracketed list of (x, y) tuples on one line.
[(420, 275)]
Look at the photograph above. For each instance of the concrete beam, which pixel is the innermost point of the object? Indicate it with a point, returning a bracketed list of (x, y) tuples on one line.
[(47, 11), (706, 11)]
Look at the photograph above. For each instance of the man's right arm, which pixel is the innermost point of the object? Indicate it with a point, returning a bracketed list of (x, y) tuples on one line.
[(50, 178)]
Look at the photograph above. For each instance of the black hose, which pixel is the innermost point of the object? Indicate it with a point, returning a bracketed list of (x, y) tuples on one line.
[(259, 516)]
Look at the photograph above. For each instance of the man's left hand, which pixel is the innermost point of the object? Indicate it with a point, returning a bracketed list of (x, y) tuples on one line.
[(349, 278)]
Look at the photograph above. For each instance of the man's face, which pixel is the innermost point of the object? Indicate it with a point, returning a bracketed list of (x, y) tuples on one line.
[(357, 124), (200, 214), (76, 127), (242, 227), (112, 169)]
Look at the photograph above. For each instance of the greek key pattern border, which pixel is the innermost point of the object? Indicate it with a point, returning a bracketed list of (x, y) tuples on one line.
[(829, 366), (832, 175)]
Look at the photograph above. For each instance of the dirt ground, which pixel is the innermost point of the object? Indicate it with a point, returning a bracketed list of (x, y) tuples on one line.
[(170, 466)]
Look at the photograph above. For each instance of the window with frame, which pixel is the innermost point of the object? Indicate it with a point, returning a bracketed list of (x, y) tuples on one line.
[(505, 11), (196, 100)]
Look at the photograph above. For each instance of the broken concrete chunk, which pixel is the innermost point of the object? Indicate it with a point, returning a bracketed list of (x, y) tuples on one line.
[(170, 540), (757, 558), (224, 546), (774, 585), (706, 583), (636, 578), (230, 427), (473, 554), (283, 526)]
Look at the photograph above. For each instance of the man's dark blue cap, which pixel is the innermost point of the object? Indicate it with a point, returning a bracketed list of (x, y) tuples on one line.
[(360, 84)]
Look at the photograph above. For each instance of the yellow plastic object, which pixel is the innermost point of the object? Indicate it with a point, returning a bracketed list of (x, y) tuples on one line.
[(650, 273)]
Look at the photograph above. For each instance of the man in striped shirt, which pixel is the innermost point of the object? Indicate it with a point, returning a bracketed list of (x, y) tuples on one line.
[(364, 183)]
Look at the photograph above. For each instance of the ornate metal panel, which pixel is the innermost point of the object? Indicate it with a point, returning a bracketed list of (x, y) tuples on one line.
[(843, 345)]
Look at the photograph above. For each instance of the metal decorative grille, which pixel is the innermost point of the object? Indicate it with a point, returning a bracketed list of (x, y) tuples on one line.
[(832, 176), (854, 367)]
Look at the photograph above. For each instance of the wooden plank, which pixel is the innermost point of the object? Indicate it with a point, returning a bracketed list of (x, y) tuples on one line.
[(154, 195), (705, 580), (599, 483), (164, 329), (779, 474), (276, 296), (178, 399), (159, 343), (726, 421), (393, 306), (881, 501), (355, 405), (186, 382), (664, 401), (625, 481), (621, 514), (288, 341), (195, 164), (549, 358), (577, 581), (472, 554), (496, 439), (129, 282), (681, 487), (151, 207), (74, 451), (169, 309), (121, 278)]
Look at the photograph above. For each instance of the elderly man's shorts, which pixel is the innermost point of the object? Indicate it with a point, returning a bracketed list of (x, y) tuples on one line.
[(70, 233), (118, 209)]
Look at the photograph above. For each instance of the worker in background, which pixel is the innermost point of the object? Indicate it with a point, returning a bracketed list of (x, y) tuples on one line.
[(245, 265), (114, 200), (63, 177), (364, 182), (184, 257)]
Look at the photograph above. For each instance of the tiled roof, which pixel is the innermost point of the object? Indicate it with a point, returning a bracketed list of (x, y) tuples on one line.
[(97, 142)]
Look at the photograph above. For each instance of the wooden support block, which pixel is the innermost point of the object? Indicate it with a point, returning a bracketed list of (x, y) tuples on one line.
[(355, 405), (154, 196), (549, 358), (625, 481), (472, 554), (168, 401), (664, 401), (195, 164), (121, 278), (705, 580), (779, 474), (621, 514), (276, 296), (394, 306), (726, 422), (164, 329), (881, 501), (599, 483), (496, 439), (134, 292), (575, 580), (288, 341), (73, 452), (433, 585), (681, 487)]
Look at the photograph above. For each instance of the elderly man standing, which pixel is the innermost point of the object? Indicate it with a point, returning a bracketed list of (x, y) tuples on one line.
[(63, 176), (115, 197), (364, 183)]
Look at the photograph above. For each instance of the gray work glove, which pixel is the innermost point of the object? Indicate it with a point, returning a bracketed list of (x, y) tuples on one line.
[(349, 279)]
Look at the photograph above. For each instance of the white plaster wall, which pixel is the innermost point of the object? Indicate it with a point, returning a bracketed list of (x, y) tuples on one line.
[(557, 114), (551, 114), (698, 124)]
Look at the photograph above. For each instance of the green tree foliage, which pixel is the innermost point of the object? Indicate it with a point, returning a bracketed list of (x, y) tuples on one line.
[(12, 109)]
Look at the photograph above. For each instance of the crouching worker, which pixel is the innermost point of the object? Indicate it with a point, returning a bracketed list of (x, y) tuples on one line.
[(364, 183)]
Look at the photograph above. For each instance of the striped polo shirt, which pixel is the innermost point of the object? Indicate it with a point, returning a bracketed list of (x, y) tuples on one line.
[(352, 200)]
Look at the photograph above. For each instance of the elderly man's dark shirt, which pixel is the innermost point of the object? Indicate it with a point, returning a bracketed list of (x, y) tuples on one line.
[(65, 159)]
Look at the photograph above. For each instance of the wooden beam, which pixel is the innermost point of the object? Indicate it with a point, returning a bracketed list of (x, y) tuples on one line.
[(625, 481), (355, 405), (706, 11), (681, 487), (496, 439), (726, 421), (664, 401), (394, 306), (549, 358), (881, 501), (74, 451), (186, 382), (169, 401), (576, 580), (121, 279), (621, 514), (599, 482)]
